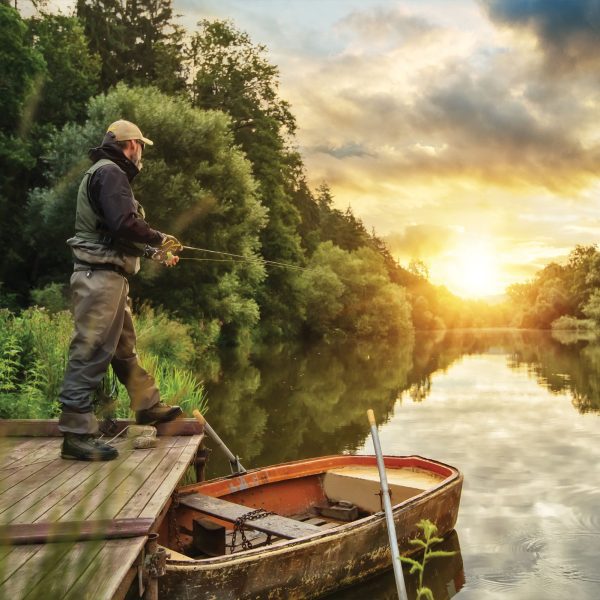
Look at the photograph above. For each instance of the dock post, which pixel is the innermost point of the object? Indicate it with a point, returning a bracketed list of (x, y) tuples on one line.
[(155, 566)]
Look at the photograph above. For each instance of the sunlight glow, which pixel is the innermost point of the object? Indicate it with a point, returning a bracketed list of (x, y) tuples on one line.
[(473, 270)]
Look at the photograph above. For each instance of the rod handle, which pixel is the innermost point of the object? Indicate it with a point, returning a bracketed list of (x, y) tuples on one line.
[(198, 415), (371, 416)]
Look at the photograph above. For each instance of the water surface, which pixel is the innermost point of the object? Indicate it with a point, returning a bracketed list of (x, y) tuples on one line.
[(517, 412)]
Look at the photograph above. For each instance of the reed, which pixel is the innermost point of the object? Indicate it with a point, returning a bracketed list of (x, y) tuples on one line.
[(424, 543)]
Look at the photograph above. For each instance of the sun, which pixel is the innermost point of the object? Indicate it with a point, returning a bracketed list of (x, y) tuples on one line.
[(472, 270)]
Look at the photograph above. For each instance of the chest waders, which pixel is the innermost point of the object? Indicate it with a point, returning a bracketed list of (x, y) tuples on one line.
[(104, 333)]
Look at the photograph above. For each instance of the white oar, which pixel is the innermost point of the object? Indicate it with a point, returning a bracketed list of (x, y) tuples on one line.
[(387, 505)]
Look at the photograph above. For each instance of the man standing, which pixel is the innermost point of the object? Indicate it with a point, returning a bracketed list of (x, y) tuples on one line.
[(111, 235)]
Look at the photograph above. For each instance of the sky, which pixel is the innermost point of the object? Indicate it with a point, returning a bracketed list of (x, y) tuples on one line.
[(465, 132)]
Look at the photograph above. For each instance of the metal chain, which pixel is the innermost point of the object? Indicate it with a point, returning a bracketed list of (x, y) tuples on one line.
[(239, 524)]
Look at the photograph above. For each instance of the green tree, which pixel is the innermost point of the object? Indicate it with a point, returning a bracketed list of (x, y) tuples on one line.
[(22, 70), (350, 292), (231, 74), (137, 41), (72, 71), (195, 184)]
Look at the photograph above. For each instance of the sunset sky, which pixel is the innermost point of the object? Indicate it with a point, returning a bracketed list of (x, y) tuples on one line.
[(466, 132)]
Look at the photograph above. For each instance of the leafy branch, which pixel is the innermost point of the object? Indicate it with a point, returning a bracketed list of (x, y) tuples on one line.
[(429, 539)]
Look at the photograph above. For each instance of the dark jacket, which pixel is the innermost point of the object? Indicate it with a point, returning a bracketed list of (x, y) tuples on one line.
[(111, 195)]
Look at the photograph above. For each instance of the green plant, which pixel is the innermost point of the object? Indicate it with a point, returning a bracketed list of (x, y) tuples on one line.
[(51, 297), (177, 386), (429, 530)]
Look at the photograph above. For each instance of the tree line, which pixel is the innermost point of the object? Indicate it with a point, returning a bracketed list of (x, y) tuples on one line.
[(224, 175)]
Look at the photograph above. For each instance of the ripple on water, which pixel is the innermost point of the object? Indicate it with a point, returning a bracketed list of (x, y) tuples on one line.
[(585, 501)]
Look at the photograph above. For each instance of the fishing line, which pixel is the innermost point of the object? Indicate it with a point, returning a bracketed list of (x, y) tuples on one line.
[(238, 258), (243, 258)]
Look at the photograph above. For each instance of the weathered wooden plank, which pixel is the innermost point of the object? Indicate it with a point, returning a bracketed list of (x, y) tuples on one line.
[(26, 565), (115, 557), (45, 452), (23, 488), (47, 484), (24, 480), (45, 532), (98, 472), (160, 498), (29, 428), (11, 453), (45, 505), (92, 500), (142, 496), (49, 427), (56, 582), (228, 511), (118, 498)]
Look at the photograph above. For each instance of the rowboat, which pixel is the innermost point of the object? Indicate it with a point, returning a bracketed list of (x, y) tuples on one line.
[(301, 529)]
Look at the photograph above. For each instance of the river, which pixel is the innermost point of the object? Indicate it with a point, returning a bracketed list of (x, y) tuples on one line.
[(517, 411)]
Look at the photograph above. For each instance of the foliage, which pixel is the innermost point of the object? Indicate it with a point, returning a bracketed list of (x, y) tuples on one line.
[(164, 337), (429, 530), (137, 42), (591, 309), (232, 74), (195, 184), (33, 356), (567, 323), (51, 297), (21, 71), (177, 386), (72, 72), (558, 290), (350, 292)]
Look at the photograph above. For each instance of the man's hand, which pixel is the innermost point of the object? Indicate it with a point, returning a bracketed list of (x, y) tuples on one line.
[(159, 255), (170, 244)]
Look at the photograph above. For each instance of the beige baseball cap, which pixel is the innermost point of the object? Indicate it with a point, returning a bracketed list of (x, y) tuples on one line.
[(126, 130)]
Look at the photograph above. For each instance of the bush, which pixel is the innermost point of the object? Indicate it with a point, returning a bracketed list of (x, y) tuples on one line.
[(33, 356), (568, 323), (34, 351), (53, 297)]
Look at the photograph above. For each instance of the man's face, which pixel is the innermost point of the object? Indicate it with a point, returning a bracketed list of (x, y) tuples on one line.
[(133, 152), (137, 156)]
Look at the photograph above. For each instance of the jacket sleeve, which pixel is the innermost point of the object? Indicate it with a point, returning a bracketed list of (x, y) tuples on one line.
[(112, 197)]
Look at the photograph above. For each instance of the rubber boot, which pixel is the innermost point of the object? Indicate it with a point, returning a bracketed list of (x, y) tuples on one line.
[(78, 446), (159, 413)]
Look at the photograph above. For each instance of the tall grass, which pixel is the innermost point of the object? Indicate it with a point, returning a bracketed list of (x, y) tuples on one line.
[(34, 350)]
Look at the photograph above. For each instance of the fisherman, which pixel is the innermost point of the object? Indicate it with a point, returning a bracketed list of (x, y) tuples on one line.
[(111, 236)]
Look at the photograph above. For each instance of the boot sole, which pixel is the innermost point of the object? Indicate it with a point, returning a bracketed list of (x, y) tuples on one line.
[(88, 458)]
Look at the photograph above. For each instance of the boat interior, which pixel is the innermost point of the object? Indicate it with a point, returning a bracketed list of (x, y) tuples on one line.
[(287, 502)]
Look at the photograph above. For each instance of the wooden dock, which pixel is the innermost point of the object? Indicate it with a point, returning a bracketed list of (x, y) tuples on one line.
[(71, 529)]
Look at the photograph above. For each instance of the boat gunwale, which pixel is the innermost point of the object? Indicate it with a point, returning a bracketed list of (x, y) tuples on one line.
[(345, 529)]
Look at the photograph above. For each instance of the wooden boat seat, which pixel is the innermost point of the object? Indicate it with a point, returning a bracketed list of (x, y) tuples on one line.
[(282, 527), (361, 487)]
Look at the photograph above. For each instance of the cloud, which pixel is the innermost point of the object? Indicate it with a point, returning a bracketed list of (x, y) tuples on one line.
[(420, 241), (567, 31), (384, 27)]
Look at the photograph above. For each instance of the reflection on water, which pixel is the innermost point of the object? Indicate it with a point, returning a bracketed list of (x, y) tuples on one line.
[(516, 411), (443, 576)]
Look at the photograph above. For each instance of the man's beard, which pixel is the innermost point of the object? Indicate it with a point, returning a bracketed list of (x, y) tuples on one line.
[(137, 160)]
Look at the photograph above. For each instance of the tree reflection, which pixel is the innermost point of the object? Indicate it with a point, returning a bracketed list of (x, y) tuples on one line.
[(563, 364), (289, 402), (286, 402)]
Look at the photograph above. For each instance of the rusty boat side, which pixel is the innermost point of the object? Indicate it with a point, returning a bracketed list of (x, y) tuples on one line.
[(313, 565)]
